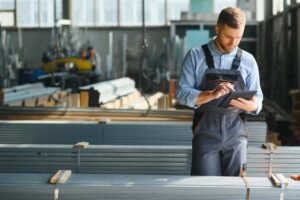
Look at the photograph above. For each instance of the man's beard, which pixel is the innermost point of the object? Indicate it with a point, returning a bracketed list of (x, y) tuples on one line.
[(224, 48)]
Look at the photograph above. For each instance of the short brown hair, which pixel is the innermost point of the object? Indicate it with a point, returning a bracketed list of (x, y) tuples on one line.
[(233, 17)]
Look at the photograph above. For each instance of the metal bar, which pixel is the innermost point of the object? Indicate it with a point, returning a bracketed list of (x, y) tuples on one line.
[(128, 187)]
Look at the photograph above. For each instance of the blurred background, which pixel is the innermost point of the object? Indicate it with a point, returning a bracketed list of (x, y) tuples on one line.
[(127, 55), (90, 86)]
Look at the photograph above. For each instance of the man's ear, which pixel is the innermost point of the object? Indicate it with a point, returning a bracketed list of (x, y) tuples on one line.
[(217, 30)]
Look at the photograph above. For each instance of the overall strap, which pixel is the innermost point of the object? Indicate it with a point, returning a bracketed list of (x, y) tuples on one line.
[(208, 56), (237, 59)]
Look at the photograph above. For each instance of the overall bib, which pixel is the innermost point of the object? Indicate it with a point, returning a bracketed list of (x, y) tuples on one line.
[(220, 134)]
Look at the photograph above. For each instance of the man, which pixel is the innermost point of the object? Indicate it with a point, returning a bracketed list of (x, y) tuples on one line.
[(209, 72), (95, 59)]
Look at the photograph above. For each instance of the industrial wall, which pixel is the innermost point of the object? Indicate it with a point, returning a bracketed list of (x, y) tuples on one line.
[(36, 41), (278, 55)]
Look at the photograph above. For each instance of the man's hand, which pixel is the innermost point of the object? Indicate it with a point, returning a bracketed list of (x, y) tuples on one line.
[(221, 90), (246, 105)]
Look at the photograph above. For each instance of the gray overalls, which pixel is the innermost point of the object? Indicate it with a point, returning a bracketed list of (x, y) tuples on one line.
[(220, 134)]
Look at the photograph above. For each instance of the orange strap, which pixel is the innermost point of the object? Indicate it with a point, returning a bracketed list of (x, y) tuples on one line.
[(295, 177)]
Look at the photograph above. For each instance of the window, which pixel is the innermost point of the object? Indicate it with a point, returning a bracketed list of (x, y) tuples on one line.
[(7, 4), (27, 13), (260, 10), (158, 17), (59, 9), (46, 12), (95, 12), (126, 12), (37, 13), (40, 13), (7, 12), (130, 12), (175, 7), (7, 18), (83, 12), (278, 6), (106, 12), (221, 4)]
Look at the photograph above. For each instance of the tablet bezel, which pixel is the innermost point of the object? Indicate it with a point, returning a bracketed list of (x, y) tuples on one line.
[(234, 95)]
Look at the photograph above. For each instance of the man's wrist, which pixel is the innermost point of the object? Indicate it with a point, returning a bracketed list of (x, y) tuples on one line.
[(205, 96)]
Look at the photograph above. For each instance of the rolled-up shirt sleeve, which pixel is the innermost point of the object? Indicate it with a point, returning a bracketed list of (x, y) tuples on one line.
[(253, 83), (194, 67), (186, 92)]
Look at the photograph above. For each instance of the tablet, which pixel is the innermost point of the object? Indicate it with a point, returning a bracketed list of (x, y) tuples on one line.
[(234, 95)]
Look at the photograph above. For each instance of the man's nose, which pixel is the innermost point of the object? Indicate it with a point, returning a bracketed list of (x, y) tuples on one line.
[(233, 41)]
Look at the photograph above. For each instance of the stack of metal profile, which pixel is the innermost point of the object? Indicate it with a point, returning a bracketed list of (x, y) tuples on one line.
[(171, 133), (110, 90), (261, 188), (96, 114), (119, 133), (148, 133), (26, 92), (257, 132), (128, 187), (262, 162), (50, 132), (23, 87), (100, 159), (134, 159)]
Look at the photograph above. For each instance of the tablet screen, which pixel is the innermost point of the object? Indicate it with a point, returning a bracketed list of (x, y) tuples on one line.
[(234, 95)]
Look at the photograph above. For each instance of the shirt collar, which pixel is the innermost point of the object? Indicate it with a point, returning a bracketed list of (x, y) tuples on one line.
[(214, 50)]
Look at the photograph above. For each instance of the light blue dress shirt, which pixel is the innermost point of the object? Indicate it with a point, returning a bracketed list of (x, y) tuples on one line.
[(194, 66)]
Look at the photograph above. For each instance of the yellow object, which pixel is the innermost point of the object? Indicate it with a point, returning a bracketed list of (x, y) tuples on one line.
[(68, 64)]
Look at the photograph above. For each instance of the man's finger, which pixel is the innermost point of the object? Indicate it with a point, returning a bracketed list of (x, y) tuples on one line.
[(242, 100), (228, 85), (236, 103)]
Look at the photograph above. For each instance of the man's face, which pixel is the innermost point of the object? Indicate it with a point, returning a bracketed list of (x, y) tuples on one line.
[(228, 38)]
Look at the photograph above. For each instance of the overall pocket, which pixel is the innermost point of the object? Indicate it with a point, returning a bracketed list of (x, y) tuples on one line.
[(198, 118), (243, 124)]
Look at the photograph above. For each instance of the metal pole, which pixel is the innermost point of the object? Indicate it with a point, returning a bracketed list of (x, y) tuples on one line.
[(144, 46)]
